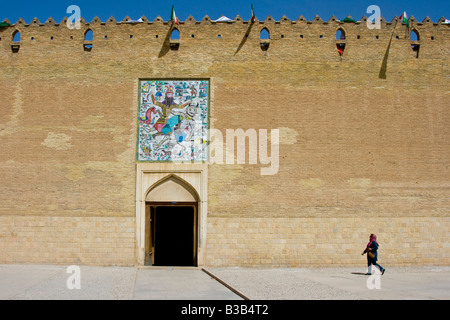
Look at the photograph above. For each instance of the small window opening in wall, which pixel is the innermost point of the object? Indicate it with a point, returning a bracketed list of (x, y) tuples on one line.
[(432, 38), (88, 38), (219, 36), (106, 37), (51, 38), (301, 36), (282, 36), (16, 36), (264, 37), (321, 36), (358, 37), (175, 35), (156, 36), (15, 48), (377, 37), (71, 37), (16, 39), (340, 48), (175, 39), (32, 38), (340, 34), (88, 35), (131, 36), (415, 48), (192, 36), (396, 37), (264, 34), (414, 35), (340, 41)]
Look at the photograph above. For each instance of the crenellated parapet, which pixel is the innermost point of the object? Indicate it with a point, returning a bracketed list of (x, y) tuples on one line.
[(206, 19), (331, 36)]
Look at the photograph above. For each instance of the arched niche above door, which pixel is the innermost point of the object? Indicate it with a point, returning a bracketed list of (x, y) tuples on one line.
[(172, 189)]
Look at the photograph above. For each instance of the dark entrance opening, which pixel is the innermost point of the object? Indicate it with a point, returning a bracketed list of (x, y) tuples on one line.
[(174, 235)]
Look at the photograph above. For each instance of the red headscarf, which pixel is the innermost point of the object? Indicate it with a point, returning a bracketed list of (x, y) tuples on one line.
[(372, 239)]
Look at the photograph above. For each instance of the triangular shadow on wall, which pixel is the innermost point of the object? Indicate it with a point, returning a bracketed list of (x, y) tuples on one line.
[(244, 39), (166, 44), (383, 69)]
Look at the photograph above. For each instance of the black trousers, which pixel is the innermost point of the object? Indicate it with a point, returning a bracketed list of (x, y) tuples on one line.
[(374, 262)]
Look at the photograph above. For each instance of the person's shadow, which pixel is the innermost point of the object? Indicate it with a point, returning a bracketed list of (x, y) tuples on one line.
[(360, 273)]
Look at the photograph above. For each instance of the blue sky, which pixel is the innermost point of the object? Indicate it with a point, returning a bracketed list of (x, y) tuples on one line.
[(43, 9)]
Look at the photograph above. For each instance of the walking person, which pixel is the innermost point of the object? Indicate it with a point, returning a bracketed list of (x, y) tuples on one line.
[(372, 254)]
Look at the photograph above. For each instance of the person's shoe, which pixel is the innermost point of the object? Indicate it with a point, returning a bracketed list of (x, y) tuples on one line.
[(382, 272)]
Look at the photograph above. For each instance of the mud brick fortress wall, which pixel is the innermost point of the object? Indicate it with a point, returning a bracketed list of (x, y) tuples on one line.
[(364, 139)]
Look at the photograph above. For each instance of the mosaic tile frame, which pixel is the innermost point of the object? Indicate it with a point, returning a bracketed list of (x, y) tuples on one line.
[(173, 120)]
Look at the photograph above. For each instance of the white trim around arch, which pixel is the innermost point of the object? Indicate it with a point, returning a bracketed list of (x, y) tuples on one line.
[(149, 175)]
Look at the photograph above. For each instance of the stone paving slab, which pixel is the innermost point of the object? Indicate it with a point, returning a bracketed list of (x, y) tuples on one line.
[(398, 283), (41, 282)]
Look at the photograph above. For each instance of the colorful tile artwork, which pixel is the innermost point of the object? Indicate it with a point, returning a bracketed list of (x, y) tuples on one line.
[(173, 120)]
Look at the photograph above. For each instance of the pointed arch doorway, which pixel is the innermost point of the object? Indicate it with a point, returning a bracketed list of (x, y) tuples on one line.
[(171, 223), (164, 186)]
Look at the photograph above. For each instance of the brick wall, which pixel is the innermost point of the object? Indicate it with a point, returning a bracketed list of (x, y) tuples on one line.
[(67, 240), (321, 242), (364, 139)]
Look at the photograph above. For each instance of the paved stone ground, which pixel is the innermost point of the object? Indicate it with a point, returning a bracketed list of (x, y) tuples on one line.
[(38, 282), (398, 283)]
